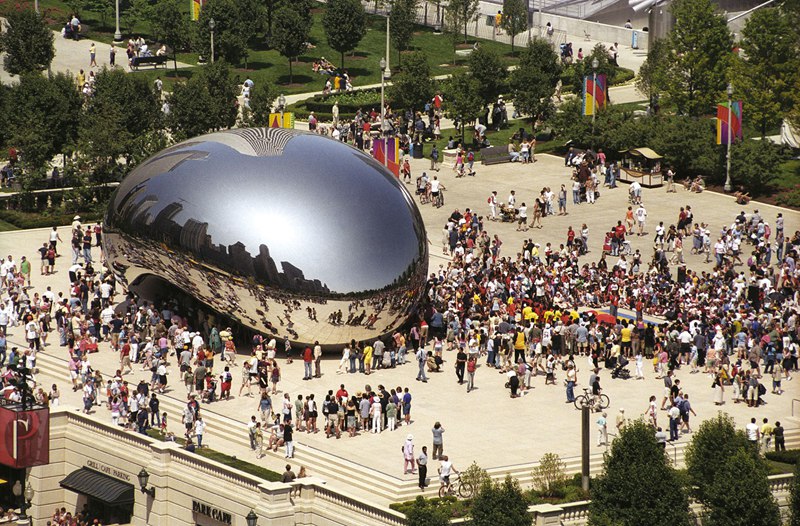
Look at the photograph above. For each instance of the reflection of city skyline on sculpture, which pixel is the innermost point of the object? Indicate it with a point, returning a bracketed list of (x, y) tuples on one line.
[(172, 203)]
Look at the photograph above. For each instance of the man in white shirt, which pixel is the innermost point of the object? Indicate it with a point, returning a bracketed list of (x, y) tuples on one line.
[(445, 470), (753, 433), (636, 192), (641, 216)]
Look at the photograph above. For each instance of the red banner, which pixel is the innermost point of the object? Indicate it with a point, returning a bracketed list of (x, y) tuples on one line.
[(25, 437)]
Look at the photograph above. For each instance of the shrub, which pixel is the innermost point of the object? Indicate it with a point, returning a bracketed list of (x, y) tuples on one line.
[(790, 456), (549, 475)]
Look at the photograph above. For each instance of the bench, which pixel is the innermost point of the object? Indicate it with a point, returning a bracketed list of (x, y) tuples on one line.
[(495, 155), (464, 52), (155, 61)]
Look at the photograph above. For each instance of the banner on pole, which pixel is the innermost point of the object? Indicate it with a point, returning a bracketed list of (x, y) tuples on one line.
[(197, 5), (278, 121), (393, 160), (595, 93), (724, 127)]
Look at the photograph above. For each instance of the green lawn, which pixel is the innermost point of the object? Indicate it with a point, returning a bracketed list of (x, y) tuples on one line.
[(222, 458), (268, 65), (5, 226), (496, 138)]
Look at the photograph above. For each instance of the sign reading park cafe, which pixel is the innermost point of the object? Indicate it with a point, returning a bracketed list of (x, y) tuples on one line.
[(200, 508)]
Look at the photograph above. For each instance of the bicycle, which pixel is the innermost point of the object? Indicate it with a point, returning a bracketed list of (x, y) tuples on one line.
[(587, 399), (458, 487)]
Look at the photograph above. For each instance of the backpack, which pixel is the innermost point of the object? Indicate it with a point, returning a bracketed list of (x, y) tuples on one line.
[(470, 157)]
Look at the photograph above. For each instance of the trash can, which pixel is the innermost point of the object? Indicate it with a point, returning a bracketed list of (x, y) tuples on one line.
[(418, 153), (635, 40)]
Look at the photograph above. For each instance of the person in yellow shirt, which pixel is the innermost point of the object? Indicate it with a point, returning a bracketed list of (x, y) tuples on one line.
[(498, 23), (367, 359), (625, 339)]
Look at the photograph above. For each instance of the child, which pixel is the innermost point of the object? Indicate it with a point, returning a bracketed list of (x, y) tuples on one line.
[(639, 366), (164, 424)]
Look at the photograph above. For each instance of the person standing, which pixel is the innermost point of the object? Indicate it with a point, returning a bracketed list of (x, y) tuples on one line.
[(199, 430), (317, 360), (112, 55), (92, 55), (434, 158), (438, 440), (287, 439), (767, 431), (674, 421), (408, 455), (252, 431), (422, 463), (308, 359), (753, 433), (780, 443), (641, 216)]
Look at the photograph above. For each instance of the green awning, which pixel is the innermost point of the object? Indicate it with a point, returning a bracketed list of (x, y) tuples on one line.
[(108, 490)]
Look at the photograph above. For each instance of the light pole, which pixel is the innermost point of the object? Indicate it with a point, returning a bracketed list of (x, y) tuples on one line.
[(211, 26), (728, 186), (281, 106), (117, 32), (595, 64), (386, 73), (27, 497)]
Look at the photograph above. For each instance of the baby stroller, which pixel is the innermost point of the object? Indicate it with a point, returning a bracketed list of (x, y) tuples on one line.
[(620, 371), (210, 392)]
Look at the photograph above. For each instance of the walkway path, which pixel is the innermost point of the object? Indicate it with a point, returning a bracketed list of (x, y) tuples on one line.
[(73, 55)]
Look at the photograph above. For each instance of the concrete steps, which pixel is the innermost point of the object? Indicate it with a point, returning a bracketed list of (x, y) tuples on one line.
[(348, 474)]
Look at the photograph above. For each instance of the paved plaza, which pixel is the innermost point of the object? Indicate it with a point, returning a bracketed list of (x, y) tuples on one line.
[(486, 425)]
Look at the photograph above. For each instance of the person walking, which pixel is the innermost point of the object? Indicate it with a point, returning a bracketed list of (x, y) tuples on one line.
[(602, 430), (199, 430), (422, 358), (408, 455), (472, 365), (438, 440), (461, 362), (92, 55), (422, 464), (252, 431), (572, 377)]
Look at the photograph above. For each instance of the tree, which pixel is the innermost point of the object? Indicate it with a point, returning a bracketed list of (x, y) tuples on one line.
[(794, 499), (638, 486), (500, 504), (204, 103), (27, 42), (401, 23), (43, 122), (652, 74), (488, 69), (687, 144), (768, 67), (424, 513), (235, 24), (171, 27), (461, 13), (583, 68), (413, 86), (463, 101), (261, 98), (290, 35), (345, 24), (515, 18), (712, 444), (754, 164), (534, 81), (698, 70), (740, 494), (123, 109)]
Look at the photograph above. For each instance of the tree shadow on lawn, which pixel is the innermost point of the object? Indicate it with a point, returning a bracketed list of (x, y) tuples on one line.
[(297, 80), (255, 65)]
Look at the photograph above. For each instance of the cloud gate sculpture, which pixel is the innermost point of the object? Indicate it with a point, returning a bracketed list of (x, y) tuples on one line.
[(286, 232)]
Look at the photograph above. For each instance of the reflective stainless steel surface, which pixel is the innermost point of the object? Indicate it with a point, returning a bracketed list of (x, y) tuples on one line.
[(267, 226)]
